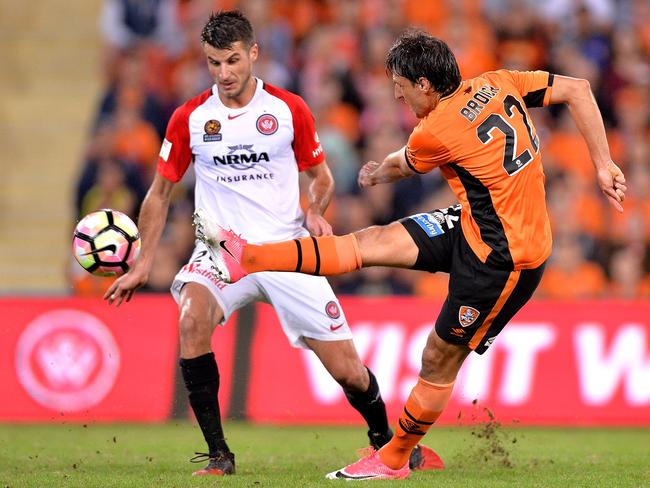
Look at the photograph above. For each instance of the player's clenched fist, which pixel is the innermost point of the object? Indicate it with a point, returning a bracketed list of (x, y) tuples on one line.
[(365, 174)]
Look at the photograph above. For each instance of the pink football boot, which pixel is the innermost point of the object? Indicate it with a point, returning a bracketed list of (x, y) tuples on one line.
[(225, 247), (370, 468)]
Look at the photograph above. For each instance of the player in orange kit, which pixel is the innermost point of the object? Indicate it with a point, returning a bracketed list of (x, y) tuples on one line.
[(494, 244)]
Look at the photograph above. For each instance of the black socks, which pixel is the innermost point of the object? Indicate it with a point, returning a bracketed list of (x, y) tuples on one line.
[(201, 377), (372, 408)]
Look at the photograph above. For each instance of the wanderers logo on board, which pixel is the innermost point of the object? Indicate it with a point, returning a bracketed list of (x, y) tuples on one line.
[(467, 315), (212, 128)]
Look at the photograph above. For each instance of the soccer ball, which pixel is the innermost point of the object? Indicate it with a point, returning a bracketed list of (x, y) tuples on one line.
[(106, 243)]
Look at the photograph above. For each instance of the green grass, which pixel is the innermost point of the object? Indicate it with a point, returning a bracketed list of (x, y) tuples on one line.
[(124, 455)]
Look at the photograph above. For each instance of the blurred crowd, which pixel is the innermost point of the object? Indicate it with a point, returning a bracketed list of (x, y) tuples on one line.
[(332, 52)]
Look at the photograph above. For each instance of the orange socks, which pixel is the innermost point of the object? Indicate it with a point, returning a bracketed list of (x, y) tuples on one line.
[(323, 256), (423, 407)]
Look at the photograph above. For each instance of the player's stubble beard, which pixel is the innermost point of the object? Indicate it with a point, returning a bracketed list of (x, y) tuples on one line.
[(237, 95)]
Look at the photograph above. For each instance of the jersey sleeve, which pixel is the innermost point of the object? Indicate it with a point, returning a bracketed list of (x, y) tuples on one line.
[(534, 86), (424, 152), (306, 145), (175, 154)]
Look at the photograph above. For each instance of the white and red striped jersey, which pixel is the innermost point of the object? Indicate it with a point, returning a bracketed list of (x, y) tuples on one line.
[(246, 160)]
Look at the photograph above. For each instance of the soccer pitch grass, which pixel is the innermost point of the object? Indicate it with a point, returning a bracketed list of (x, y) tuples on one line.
[(126, 455)]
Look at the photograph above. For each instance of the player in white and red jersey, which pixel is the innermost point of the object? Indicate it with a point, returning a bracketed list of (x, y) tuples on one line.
[(248, 142), (247, 159)]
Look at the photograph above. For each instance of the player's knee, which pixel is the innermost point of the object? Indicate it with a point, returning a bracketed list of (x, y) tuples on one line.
[(354, 377), (441, 361), (386, 245), (194, 326), (370, 237), (433, 360)]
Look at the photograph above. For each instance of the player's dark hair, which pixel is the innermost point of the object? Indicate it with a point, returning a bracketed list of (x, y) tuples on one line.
[(416, 54), (226, 27)]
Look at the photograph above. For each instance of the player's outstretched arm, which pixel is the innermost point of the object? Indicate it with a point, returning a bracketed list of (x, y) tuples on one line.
[(321, 190), (151, 221), (576, 93), (392, 168)]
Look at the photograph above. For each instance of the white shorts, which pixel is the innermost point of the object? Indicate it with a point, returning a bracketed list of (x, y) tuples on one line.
[(305, 304)]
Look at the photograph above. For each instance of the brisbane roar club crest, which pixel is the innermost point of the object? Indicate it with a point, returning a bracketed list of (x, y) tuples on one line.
[(212, 128), (267, 124), (467, 315)]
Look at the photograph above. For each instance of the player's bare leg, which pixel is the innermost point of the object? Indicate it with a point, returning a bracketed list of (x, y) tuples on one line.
[(387, 245), (199, 312)]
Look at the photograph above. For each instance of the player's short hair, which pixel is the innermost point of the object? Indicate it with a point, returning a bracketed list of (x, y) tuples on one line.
[(226, 27), (416, 54)]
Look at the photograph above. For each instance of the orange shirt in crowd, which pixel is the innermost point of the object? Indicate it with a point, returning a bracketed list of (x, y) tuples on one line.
[(640, 290), (587, 280), (137, 142), (432, 285)]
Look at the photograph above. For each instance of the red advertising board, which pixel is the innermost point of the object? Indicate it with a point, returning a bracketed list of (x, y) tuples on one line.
[(556, 363), (69, 359), (80, 359)]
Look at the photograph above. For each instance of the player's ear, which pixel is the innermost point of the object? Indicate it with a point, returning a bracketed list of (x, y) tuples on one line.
[(253, 52), (423, 84)]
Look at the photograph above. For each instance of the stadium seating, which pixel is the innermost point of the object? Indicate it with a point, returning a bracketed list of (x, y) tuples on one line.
[(49, 85)]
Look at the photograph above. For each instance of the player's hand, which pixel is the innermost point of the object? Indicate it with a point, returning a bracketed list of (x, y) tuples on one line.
[(317, 225), (612, 183), (124, 287), (365, 174)]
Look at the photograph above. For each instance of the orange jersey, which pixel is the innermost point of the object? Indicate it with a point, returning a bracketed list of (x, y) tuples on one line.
[(483, 139)]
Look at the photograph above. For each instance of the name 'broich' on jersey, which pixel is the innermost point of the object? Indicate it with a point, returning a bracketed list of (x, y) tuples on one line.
[(482, 138)]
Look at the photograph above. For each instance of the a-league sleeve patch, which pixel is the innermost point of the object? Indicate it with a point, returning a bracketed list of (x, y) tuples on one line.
[(165, 149), (428, 223)]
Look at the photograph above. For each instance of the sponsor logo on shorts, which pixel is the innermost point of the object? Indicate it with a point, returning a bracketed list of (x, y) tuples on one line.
[(332, 310), (467, 315), (489, 342), (334, 328), (193, 268), (429, 224)]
